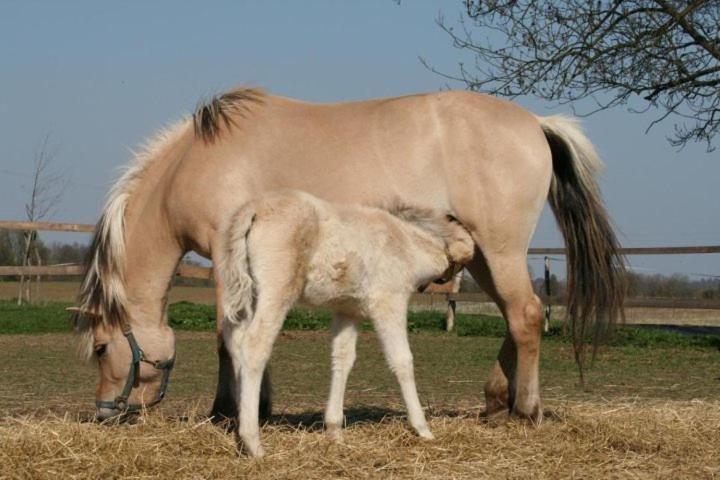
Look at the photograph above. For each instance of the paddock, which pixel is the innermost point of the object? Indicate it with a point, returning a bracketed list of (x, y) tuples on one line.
[(640, 415)]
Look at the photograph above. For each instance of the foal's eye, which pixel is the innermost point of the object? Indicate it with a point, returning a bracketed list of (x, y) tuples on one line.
[(100, 350)]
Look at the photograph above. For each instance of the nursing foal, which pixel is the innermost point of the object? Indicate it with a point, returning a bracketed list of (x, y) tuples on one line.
[(288, 246)]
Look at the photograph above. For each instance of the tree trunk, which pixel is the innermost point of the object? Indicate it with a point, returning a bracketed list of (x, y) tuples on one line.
[(38, 278), (24, 290)]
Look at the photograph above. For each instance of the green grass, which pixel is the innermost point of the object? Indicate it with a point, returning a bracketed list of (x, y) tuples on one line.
[(51, 317), (47, 317)]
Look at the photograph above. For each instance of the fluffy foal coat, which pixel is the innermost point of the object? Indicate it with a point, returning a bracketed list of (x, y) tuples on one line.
[(288, 246)]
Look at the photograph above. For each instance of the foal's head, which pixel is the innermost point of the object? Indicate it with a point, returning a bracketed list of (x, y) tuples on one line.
[(458, 245), (134, 363)]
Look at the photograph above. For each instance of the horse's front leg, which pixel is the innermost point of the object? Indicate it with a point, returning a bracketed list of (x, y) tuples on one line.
[(390, 322), (344, 330)]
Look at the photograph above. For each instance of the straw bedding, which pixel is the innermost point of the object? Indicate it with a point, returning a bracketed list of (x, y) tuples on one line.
[(577, 440)]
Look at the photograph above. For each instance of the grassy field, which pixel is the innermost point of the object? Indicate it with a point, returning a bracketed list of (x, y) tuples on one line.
[(67, 291), (650, 408)]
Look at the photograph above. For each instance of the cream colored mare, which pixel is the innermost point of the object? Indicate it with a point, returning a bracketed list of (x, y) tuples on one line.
[(288, 246), (489, 162)]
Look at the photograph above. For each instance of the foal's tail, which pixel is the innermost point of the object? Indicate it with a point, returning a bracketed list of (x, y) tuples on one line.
[(595, 270), (237, 293)]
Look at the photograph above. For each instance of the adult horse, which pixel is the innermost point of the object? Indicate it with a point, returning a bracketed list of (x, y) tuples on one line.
[(489, 162)]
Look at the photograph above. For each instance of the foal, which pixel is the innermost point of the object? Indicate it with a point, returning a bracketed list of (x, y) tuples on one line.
[(288, 246)]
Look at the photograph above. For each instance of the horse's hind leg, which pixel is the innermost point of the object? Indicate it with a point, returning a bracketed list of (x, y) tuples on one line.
[(344, 330), (390, 322), (514, 380)]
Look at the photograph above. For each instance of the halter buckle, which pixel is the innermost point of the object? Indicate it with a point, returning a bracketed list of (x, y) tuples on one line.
[(121, 403)]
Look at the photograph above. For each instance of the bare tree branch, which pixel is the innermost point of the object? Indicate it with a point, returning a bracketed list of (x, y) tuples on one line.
[(45, 192), (663, 53)]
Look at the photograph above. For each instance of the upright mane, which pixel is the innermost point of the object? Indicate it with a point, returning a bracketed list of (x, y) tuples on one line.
[(102, 295), (210, 116)]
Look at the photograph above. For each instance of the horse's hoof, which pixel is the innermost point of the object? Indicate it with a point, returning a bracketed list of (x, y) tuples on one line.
[(533, 414), (496, 401), (495, 419)]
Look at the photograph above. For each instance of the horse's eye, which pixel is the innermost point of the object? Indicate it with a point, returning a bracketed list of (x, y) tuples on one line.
[(100, 350)]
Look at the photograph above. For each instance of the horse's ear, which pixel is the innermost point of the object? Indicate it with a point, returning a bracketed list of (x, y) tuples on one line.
[(82, 311)]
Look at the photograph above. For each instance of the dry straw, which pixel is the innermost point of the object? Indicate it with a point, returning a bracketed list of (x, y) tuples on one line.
[(617, 440)]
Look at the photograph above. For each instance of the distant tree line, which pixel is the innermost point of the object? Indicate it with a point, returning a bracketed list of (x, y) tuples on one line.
[(640, 285), (12, 249), (675, 286)]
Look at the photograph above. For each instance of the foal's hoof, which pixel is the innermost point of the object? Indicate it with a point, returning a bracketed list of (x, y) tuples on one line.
[(334, 433), (257, 452), (425, 434), (250, 448)]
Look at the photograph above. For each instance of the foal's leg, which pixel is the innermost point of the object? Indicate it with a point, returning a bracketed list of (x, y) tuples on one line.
[(391, 326), (344, 330), (225, 404), (250, 344)]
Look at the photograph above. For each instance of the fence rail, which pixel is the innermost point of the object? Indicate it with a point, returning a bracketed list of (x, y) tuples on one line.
[(45, 226), (650, 302), (206, 273), (87, 228), (640, 250), (49, 270)]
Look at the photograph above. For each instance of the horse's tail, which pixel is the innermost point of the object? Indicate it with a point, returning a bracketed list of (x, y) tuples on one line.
[(237, 287), (595, 269)]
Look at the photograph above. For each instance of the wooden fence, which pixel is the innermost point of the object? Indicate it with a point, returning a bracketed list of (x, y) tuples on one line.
[(191, 271)]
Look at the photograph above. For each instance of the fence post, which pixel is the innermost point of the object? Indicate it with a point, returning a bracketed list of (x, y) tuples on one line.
[(450, 316), (547, 293), (452, 303)]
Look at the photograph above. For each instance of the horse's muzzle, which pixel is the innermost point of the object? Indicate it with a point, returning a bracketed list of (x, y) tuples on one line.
[(102, 414)]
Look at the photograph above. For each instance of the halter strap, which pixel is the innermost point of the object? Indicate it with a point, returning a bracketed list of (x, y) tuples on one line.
[(133, 380)]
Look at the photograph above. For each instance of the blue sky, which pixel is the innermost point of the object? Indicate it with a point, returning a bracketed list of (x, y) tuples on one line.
[(102, 76)]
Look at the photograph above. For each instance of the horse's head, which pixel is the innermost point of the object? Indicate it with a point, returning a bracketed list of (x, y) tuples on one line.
[(134, 363)]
